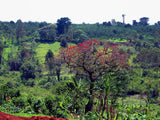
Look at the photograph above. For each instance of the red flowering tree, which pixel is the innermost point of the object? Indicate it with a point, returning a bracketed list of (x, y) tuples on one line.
[(94, 58)]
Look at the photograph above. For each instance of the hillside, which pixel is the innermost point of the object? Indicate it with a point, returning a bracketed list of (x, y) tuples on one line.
[(80, 70)]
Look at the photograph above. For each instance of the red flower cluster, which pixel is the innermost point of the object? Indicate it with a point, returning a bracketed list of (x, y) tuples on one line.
[(91, 52)]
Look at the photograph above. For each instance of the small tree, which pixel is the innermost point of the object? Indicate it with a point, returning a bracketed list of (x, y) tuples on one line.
[(28, 70), (95, 61), (14, 62), (47, 33), (144, 21), (63, 25), (63, 43), (79, 36), (20, 32), (57, 64), (50, 61)]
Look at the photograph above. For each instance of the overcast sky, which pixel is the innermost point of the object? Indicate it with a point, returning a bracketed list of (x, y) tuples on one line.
[(79, 11)]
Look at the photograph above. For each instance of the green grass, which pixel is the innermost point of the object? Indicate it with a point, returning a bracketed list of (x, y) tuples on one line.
[(134, 100), (8, 50), (35, 91), (139, 103), (118, 40), (103, 38), (26, 114), (42, 50)]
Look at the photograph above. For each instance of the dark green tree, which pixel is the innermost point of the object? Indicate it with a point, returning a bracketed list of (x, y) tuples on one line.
[(63, 25), (14, 62), (20, 32), (42, 24), (48, 33), (28, 70), (1, 51), (43, 35), (63, 43), (58, 64), (49, 61), (79, 36), (144, 21)]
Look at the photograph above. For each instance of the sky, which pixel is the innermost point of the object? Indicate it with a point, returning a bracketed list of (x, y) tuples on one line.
[(79, 11)]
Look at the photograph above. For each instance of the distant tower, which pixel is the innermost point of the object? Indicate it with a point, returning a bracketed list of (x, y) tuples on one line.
[(123, 16)]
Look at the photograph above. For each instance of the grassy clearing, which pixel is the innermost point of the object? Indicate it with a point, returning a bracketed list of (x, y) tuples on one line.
[(8, 50), (42, 50), (35, 91), (112, 40), (118, 40)]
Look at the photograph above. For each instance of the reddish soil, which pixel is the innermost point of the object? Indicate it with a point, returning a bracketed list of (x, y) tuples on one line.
[(4, 116)]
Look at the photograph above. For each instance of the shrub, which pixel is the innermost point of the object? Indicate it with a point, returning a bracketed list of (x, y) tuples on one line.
[(91, 116), (14, 64), (19, 101), (14, 93), (3, 93), (37, 104), (28, 109), (30, 82), (49, 103), (28, 70), (10, 108)]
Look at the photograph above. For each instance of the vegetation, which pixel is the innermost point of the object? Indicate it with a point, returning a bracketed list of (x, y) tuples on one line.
[(80, 71)]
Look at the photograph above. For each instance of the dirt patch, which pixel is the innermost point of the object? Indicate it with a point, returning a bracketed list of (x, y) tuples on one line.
[(4, 116)]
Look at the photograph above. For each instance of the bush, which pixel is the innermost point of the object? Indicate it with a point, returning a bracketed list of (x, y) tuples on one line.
[(30, 82), (145, 73), (28, 109), (10, 84), (43, 82), (37, 104), (55, 106), (14, 93), (60, 114), (28, 70), (49, 103), (10, 108), (14, 64), (61, 89), (48, 85), (19, 102), (91, 116), (3, 93), (4, 69)]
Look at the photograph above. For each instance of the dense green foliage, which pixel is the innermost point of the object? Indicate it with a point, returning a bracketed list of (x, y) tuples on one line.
[(35, 80)]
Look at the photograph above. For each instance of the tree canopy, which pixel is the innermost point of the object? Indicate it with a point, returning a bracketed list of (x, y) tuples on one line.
[(63, 25), (95, 59)]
